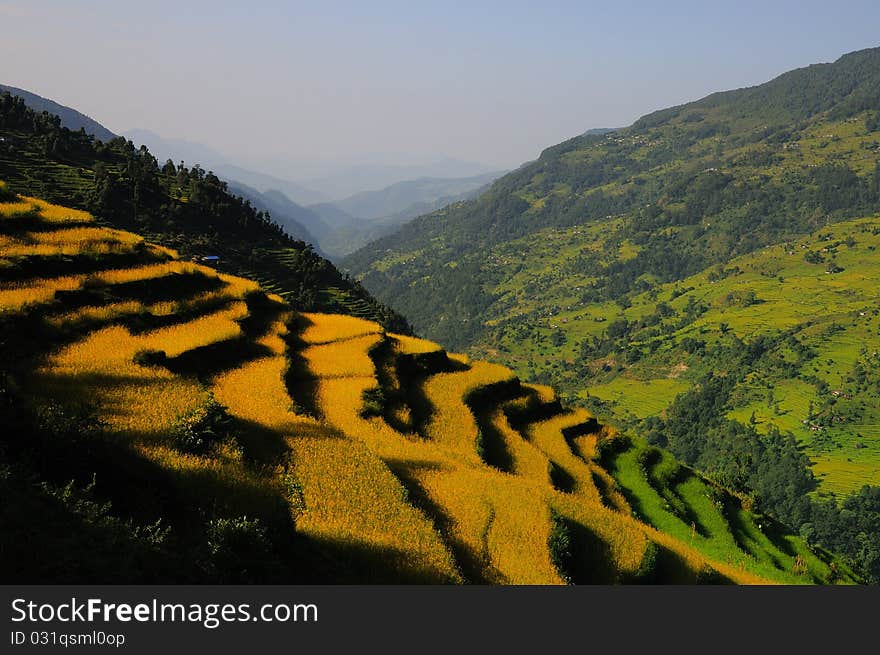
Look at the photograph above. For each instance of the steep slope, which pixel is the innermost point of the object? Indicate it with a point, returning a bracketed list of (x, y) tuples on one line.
[(811, 302), (596, 268), (238, 440), (187, 209), (679, 190), (70, 118)]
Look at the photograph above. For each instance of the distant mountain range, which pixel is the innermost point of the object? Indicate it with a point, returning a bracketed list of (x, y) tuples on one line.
[(412, 197), (342, 226), (338, 229), (298, 221), (347, 181), (70, 118), (370, 215), (197, 153), (335, 228)]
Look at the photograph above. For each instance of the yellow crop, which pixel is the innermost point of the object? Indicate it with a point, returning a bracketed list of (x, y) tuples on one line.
[(255, 391), (503, 524), (622, 535), (237, 286), (353, 502), (69, 241), (452, 423), (548, 438), (222, 479), (102, 314), (274, 339), (346, 358), (151, 271), (350, 477), (18, 295), (201, 331), (324, 328), (135, 400), (47, 212), (413, 346), (56, 213), (16, 209), (138, 397), (528, 461), (542, 392)]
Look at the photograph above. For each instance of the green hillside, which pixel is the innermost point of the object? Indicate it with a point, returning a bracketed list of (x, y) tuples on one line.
[(707, 181), (811, 303), (702, 278)]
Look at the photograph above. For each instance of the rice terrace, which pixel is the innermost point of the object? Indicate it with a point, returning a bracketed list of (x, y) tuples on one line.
[(385, 304), (323, 442)]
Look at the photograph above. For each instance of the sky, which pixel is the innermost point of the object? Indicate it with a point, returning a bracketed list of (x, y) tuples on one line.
[(276, 84)]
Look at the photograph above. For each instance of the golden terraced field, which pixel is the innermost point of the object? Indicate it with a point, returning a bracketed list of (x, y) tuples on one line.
[(390, 457)]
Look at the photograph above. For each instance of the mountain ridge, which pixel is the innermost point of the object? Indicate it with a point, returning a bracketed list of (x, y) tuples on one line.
[(70, 118)]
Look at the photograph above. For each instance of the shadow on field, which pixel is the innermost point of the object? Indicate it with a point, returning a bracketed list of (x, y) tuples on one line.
[(47, 266), (302, 385), (475, 567)]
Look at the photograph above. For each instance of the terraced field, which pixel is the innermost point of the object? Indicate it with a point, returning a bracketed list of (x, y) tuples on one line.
[(383, 457)]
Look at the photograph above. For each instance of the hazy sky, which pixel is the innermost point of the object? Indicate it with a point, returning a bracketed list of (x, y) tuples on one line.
[(492, 82)]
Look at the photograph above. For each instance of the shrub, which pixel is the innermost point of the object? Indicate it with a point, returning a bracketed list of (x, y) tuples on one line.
[(150, 357), (708, 575), (68, 422), (6, 194), (199, 431), (559, 544), (610, 446), (239, 550), (374, 402)]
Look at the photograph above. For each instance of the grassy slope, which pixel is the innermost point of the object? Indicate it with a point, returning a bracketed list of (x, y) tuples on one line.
[(350, 484), (529, 296), (834, 315)]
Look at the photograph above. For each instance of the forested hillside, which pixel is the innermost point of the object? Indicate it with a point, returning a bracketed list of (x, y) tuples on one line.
[(678, 191), (703, 278), (185, 208)]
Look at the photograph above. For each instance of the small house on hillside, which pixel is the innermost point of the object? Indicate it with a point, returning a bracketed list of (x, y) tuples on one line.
[(210, 260)]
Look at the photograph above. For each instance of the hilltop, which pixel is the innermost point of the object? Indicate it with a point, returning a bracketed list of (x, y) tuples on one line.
[(70, 118), (167, 422), (188, 209), (708, 181), (207, 157)]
